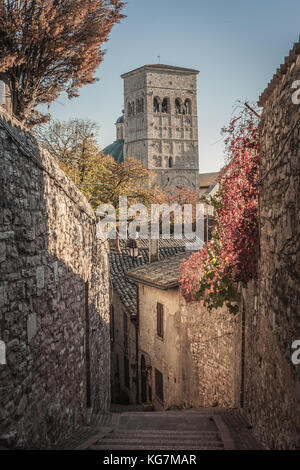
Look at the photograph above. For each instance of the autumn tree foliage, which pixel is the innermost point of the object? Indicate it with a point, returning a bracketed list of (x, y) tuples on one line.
[(180, 196), (52, 46), (64, 139), (98, 176), (230, 257), (103, 180)]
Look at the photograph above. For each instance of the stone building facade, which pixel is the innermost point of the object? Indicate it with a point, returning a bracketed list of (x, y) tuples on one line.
[(161, 124), (54, 298), (188, 356), (272, 306), (125, 368)]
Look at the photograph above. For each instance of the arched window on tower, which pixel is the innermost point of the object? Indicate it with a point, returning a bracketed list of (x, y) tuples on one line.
[(130, 109), (165, 106), (139, 105), (170, 162), (188, 106), (2, 92), (156, 105), (178, 106)]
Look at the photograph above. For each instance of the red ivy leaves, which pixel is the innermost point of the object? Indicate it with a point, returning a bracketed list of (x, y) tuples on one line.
[(231, 255)]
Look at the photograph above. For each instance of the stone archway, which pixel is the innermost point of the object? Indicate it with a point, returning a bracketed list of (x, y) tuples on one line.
[(181, 181)]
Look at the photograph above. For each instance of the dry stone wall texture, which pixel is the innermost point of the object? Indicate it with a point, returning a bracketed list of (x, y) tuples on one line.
[(272, 381), (54, 299), (212, 355)]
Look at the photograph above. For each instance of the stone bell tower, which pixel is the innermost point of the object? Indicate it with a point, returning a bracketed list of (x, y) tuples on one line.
[(161, 127)]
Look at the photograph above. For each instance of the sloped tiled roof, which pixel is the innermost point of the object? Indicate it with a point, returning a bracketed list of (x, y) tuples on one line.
[(121, 263), (206, 179), (160, 274), (211, 187), (163, 242)]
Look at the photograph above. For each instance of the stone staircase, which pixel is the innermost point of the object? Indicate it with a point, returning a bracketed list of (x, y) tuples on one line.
[(168, 430), (162, 431), (159, 440)]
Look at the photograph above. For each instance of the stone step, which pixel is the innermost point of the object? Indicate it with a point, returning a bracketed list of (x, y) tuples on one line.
[(142, 446), (167, 436), (157, 444), (165, 432), (153, 440)]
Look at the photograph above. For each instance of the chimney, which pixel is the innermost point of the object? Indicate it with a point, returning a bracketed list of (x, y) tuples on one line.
[(153, 250)]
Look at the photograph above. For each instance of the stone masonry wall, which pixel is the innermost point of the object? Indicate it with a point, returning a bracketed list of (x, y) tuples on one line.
[(272, 381), (54, 310), (212, 355), (199, 355)]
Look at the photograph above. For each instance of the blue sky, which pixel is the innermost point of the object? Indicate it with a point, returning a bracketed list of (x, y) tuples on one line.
[(236, 44)]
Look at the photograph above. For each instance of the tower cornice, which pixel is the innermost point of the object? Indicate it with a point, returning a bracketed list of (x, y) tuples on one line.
[(161, 68)]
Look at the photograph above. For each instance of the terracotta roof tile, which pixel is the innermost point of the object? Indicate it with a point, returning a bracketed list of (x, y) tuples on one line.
[(161, 274), (121, 263)]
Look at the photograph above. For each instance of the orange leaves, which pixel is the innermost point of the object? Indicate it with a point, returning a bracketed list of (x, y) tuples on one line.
[(48, 46)]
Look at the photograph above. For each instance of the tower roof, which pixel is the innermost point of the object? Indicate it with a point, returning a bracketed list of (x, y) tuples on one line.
[(120, 119), (116, 150), (161, 67)]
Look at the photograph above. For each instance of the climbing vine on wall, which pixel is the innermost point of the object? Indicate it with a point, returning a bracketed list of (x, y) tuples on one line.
[(230, 257)]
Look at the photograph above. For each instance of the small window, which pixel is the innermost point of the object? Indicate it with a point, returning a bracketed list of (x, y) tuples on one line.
[(160, 320), (155, 105), (126, 372), (159, 385), (112, 323), (125, 324), (170, 162)]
